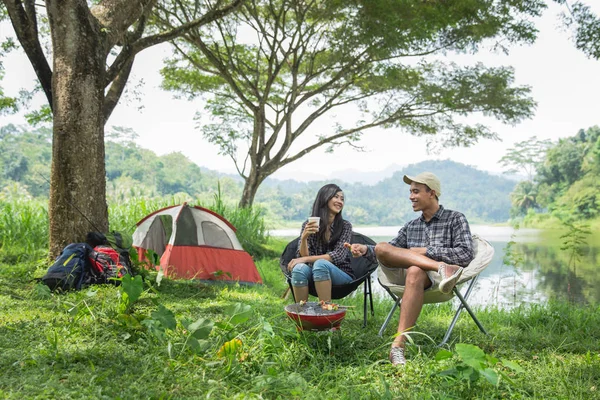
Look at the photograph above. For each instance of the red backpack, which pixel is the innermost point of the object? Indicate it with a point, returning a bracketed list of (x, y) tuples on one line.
[(106, 261)]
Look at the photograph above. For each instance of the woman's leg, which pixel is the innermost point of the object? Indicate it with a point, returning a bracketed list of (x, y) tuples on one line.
[(325, 274), (301, 276)]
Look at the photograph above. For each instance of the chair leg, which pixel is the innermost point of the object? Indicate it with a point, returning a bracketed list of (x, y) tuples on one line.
[(390, 314), (463, 304), (292, 290), (365, 290), (371, 296)]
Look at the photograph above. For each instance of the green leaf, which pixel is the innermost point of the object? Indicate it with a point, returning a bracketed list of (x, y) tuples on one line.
[(443, 354), (132, 287), (201, 328), (471, 355), (512, 365), (490, 375), (226, 326), (239, 313), (165, 317)]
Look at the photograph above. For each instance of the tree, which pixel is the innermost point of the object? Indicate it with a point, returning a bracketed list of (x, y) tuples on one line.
[(526, 156), (524, 197), (92, 48), (269, 71), (586, 27)]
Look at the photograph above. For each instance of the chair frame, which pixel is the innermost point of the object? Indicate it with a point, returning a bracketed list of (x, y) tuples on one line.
[(463, 305)]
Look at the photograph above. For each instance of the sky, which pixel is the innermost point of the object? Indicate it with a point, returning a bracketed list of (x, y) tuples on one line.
[(564, 82)]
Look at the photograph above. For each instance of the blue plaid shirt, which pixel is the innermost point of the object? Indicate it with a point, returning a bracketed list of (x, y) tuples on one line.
[(340, 256), (446, 236)]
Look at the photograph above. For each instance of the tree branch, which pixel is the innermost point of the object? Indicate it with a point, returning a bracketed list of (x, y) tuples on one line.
[(24, 22)]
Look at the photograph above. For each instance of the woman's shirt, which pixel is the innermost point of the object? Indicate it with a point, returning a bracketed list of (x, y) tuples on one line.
[(340, 256)]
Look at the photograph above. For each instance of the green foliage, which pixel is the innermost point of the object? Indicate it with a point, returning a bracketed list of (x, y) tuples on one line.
[(567, 180), (575, 242), (23, 230), (475, 364), (523, 198), (586, 27)]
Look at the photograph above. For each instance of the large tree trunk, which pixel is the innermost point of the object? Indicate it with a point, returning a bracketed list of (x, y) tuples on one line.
[(78, 183), (251, 186)]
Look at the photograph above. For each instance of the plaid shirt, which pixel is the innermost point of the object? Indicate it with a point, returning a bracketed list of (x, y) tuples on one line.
[(446, 236), (340, 256)]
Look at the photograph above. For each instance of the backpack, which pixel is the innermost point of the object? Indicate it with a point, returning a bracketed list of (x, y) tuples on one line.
[(111, 264), (71, 269)]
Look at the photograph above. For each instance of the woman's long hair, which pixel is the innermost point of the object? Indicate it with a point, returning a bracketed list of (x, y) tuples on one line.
[(321, 210)]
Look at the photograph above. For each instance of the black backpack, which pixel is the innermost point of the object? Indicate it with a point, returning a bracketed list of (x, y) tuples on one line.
[(72, 269)]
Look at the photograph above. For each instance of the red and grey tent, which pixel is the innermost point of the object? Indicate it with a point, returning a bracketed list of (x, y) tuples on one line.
[(194, 243)]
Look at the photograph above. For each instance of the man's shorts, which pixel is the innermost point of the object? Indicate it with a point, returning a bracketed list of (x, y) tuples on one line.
[(397, 276)]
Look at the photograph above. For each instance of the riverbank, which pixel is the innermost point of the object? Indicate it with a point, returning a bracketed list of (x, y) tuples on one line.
[(169, 344)]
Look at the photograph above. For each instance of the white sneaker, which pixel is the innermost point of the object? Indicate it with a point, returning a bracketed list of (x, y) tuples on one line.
[(448, 282), (397, 356)]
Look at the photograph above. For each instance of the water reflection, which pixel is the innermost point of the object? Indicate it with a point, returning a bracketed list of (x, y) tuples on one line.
[(541, 271)]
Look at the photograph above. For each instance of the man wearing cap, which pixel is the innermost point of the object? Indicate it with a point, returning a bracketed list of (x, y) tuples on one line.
[(428, 253)]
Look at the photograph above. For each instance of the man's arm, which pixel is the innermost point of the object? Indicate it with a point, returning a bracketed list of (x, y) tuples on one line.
[(398, 241), (461, 253), (339, 252)]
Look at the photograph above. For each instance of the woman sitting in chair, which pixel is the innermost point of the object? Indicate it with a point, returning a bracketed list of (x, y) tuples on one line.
[(322, 257)]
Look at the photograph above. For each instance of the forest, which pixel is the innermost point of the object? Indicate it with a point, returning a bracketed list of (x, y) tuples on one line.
[(132, 171)]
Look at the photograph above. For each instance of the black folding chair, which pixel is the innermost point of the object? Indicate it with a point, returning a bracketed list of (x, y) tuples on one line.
[(362, 268)]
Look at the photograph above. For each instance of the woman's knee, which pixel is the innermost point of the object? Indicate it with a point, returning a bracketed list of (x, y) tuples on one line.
[(301, 274), (320, 271)]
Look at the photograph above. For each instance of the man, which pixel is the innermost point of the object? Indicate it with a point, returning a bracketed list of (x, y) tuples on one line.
[(429, 253)]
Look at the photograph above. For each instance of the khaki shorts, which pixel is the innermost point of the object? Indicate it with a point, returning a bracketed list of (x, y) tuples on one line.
[(397, 276)]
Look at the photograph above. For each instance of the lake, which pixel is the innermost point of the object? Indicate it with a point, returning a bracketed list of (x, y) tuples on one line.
[(536, 270)]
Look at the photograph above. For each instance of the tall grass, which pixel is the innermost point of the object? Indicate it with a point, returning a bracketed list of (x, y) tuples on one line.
[(23, 230), (24, 223)]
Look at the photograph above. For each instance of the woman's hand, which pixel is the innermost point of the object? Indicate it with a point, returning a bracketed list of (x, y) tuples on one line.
[(295, 261), (357, 249), (309, 229)]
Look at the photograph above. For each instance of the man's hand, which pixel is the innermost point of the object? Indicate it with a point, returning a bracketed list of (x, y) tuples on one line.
[(357, 249), (419, 250)]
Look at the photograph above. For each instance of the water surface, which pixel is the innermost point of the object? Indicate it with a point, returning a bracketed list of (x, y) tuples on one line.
[(533, 269)]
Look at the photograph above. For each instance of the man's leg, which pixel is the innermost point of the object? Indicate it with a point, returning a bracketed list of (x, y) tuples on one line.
[(397, 257), (412, 302)]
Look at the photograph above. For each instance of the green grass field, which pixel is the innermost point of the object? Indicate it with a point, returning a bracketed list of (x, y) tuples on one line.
[(165, 339), (167, 344)]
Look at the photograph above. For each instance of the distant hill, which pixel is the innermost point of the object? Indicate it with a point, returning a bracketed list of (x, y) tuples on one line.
[(480, 195)]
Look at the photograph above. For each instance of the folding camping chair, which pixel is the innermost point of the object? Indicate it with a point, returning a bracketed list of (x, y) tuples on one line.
[(483, 255), (362, 267)]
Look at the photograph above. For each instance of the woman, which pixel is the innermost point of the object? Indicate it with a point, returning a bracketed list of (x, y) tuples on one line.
[(322, 257)]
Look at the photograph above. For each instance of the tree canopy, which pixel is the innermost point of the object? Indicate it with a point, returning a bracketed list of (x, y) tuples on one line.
[(271, 70)]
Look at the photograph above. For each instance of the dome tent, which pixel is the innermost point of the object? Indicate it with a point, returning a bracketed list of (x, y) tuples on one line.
[(194, 243)]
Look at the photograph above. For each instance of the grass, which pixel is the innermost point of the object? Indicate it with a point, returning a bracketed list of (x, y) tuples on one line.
[(79, 345), (170, 339)]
